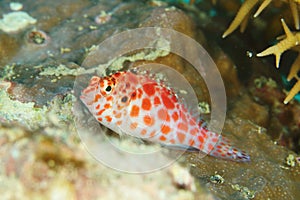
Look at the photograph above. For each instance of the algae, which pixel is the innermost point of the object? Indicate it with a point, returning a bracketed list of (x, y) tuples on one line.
[(24, 113), (16, 21)]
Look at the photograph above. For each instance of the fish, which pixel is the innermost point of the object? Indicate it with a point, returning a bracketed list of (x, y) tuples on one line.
[(134, 103)]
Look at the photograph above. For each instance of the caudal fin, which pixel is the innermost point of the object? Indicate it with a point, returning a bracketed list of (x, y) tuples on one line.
[(223, 149)]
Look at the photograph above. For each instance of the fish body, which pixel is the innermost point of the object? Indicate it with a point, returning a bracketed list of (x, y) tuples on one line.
[(136, 104)]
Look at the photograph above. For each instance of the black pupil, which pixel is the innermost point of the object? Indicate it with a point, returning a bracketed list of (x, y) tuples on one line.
[(124, 99), (108, 89)]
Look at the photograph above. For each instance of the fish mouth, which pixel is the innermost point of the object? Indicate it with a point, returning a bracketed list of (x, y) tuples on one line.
[(87, 97)]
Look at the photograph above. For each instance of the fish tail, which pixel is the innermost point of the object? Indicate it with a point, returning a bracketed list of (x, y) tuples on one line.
[(223, 149)]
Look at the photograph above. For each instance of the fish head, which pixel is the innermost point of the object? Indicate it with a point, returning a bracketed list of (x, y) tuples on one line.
[(98, 94)]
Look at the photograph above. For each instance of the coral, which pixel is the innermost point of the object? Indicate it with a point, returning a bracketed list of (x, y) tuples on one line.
[(294, 74), (243, 14), (291, 40), (295, 12)]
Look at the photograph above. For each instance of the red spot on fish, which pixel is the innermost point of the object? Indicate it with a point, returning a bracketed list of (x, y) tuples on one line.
[(133, 125), (101, 83), (148, 120), (200, 138), (109, 98), (146, 104), (174, 98), (97, 97), (98, 106), (194, 131), (214, 140), (183, 127), (192, 122), (167, 102), (149, 88), (163, 115), (144, 132), (156, 100), (162, 138), (165, 129), (100, 112), (181, 137), (191, 142), (106, 106), (152, 134), (175, 116), (134, 111), (204, 132), (118, 115), (108, 118), (210, 147), (140, 93)]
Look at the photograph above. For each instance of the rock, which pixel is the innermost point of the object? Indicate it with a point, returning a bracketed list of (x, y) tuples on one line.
[(266, 176)]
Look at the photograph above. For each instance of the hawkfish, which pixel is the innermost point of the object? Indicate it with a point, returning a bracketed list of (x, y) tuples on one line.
[(138, 105)]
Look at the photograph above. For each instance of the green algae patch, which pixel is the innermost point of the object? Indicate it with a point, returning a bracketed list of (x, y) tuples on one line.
[(58, 110), (162, 48), (61, 70), (291, 160), (24, 113), (8, 72), (262, 81)]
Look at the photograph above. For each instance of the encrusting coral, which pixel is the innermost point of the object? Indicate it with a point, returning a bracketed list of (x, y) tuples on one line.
[(291, 40)]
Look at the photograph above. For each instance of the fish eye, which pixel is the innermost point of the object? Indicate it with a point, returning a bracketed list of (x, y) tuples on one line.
[(108, 88)]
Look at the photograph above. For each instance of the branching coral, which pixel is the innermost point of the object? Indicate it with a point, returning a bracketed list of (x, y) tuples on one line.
[(243, 14), (293, 74), (291, 40)]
